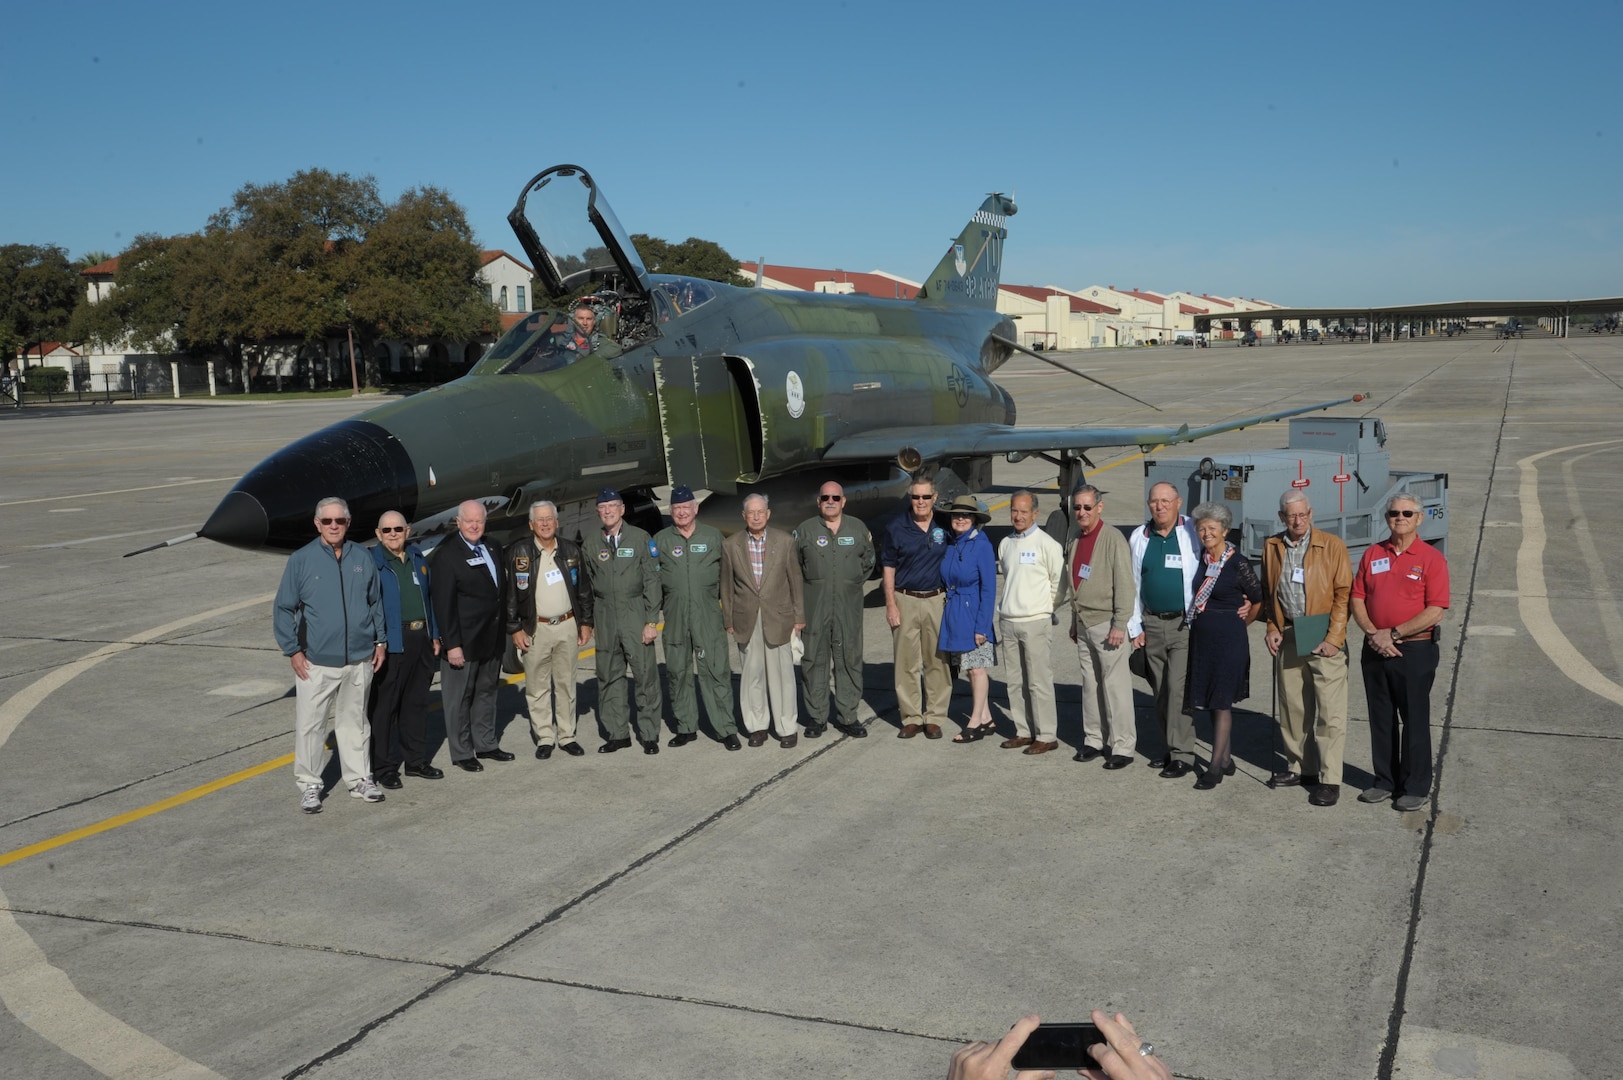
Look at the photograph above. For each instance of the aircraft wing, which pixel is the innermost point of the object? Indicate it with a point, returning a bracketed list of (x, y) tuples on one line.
[(934, 442)]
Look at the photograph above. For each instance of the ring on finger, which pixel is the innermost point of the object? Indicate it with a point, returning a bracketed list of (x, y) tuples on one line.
[(1145, 1049)]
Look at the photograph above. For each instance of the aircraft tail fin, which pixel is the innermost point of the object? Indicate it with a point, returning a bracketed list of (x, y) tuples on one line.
[(968, 274)]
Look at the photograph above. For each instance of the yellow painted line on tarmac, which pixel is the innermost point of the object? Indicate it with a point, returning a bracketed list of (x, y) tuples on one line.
[(146, 811), (1103, 468)]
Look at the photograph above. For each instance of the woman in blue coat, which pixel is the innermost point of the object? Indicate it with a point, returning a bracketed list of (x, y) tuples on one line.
[(969, 574)]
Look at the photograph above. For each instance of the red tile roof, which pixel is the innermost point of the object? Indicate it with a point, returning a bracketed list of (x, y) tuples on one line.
[(106, 266), (488, 257), (806, 278), (1215, 300), (46, 348), (1185, 309), (1149, 296), (1042, 292)]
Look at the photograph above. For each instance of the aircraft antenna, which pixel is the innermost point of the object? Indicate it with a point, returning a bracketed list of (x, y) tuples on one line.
[(167, 543), (1066, 367)]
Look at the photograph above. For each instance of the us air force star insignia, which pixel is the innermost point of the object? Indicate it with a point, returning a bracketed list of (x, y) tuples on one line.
[(794, 392), (822, 541)]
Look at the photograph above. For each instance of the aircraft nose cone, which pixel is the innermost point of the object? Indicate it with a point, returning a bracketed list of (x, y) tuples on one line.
[(274, 505), (239, 520)]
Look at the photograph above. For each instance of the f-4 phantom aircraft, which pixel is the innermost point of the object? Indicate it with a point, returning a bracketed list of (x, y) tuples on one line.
[(730, 389)]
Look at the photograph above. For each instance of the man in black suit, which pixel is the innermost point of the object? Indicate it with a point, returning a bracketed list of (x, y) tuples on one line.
[(467, 571)]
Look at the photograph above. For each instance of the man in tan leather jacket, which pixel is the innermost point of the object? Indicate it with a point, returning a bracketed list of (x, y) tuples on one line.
[(1306, 572)]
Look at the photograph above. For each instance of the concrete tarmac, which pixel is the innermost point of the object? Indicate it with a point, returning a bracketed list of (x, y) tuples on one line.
[(848, 907)]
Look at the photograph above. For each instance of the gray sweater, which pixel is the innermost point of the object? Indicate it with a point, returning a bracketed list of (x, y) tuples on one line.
[(1108, 593), (329, 609)]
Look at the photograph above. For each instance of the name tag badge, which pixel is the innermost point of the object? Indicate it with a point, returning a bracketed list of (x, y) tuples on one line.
[(414, 580), (1174, 562), (1028, 557), (522, 581), (1298, 575), (1084, 572), (476, 562), (1213, 570), (625, 553), (698, 549), (1380, 566), (846, 541), (553, 577)]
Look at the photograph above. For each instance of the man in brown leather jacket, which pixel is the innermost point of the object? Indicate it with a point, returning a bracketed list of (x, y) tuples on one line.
[(549, 617), (1305, 573)]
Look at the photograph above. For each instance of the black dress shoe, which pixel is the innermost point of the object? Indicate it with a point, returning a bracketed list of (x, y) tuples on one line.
[(1176, 769), (856, 731), (427, 772), (390, 781), (758, 738), (1209, 779), (731, 742), (1159, 763), (497, 754), (651, 746), (1325, 795), (682, 738), (614, 744), (469, 765), (1228, 770), (573, 749), (815, 731), (1118, 761), (1284, 779), (543, 751), (1088, 753)]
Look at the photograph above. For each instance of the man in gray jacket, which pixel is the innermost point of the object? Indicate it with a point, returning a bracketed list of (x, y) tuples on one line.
[(1099, 587), (328, 618)]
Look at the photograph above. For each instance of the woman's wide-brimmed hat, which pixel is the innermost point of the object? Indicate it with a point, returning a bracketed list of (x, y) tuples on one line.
[(966, 504)]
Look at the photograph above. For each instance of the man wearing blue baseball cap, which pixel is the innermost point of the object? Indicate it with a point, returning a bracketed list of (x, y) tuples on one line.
[(624, 567), (694, 635)]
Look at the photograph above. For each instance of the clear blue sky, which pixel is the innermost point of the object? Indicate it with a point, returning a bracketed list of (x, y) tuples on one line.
[(1298, 153)]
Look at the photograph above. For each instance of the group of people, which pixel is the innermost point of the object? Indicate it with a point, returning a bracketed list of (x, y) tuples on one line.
[(365, 632)]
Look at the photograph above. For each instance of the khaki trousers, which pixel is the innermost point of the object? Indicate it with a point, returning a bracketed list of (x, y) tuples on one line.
[(1312, 699), (549, 680), (343, 690), (1107, 692), (766, 686), (1026, 648), (916, 654), (1166, 657)]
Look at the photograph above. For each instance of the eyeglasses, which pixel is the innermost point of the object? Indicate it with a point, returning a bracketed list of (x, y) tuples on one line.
[(391, 528), (830, 498), (1402, 513), (922, 498), (332, 521), (1082, 506)]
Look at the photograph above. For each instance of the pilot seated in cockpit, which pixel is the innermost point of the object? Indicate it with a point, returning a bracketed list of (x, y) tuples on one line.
[(580, 335)]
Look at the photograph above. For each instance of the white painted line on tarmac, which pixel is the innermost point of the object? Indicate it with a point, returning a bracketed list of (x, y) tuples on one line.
[(94, 539), (1611, 620), (1534, 602), (117, 491), (41, 995)]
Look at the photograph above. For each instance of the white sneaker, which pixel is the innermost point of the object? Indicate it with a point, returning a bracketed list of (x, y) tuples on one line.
[(367, 790), (310, 801)]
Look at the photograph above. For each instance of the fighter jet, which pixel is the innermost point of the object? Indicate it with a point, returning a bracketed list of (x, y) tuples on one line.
[(662, 379)]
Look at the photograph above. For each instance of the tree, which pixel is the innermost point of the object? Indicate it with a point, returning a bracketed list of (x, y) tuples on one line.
[(145, 310), (417, 275), (90, 258), (38, 291), (692, 257)]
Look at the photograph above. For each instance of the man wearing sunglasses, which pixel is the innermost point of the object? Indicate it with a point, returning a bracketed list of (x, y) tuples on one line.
[(328, 619), (911, 549), (398, 703), (836, 556), (1398, 598)]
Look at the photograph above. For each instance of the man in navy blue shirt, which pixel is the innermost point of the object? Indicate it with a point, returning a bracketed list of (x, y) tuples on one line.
[(910, 552)]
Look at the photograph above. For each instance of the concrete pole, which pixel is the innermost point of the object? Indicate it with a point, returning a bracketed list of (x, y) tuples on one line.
[(174, 376), (211, 378)]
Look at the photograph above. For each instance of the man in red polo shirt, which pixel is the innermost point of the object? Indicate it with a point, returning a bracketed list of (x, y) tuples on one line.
[(1398, 598)]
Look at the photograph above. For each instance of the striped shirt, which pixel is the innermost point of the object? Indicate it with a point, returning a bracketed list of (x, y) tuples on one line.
[(757, 546)]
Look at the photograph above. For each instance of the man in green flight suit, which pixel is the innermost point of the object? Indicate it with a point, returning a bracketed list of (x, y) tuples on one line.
[(624, 568), (836, 556), (690, 581)]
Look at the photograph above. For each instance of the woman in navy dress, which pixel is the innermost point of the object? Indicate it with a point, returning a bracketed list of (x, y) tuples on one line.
[(1219, 649), (969, 574)]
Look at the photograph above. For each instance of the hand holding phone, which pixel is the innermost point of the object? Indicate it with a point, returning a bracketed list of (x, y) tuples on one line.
[(1058, 1046)]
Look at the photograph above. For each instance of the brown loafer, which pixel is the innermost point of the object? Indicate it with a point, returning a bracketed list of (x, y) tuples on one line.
[(1284, 779), (932, 731), (788, 741), (758, 738), (909, 730), (1018, 740), (1040, 748), (1325, 795)]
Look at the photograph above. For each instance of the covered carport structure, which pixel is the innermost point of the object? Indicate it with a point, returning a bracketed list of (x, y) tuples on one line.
[(1559, 312)]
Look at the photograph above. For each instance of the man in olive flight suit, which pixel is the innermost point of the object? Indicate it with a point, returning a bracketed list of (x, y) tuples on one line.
[(624, 568), (836, 556), (690, 582)]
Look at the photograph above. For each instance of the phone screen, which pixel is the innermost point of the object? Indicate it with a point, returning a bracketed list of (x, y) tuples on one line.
[(1059, 1046)]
